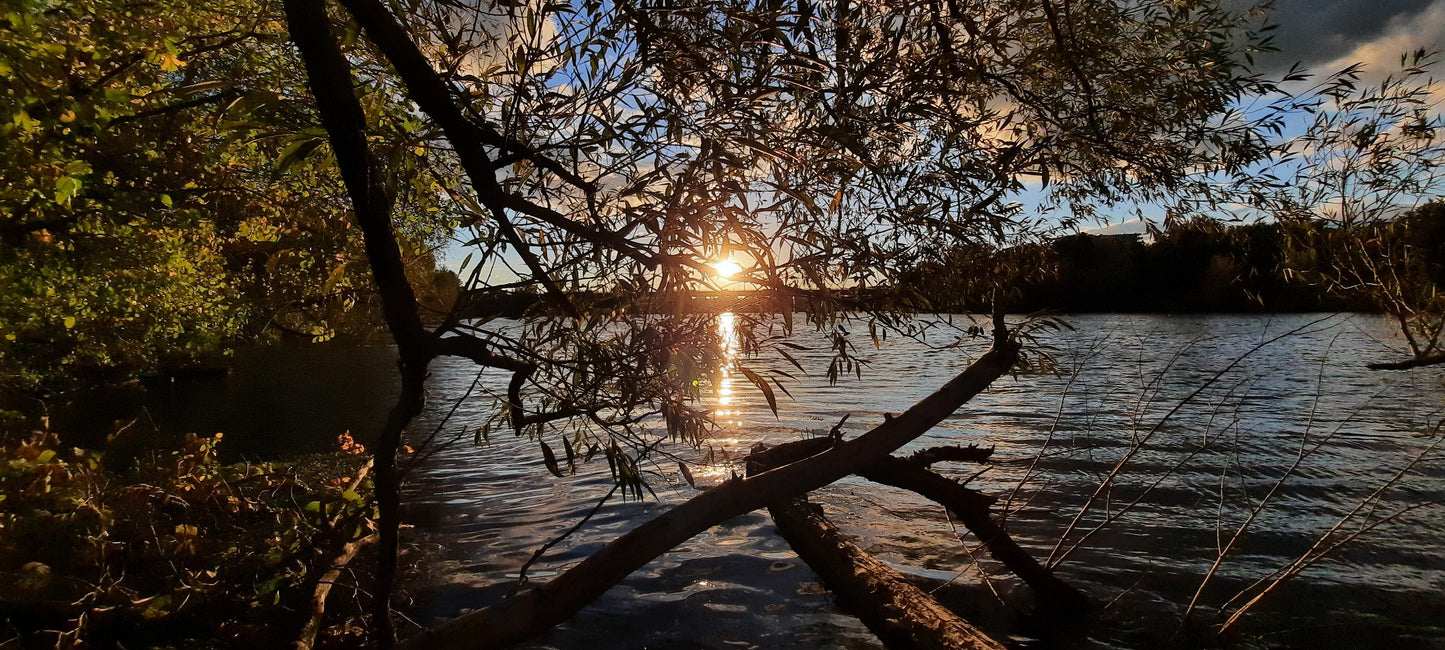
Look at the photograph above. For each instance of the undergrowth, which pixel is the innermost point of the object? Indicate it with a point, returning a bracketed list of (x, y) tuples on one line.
[(179, 551)]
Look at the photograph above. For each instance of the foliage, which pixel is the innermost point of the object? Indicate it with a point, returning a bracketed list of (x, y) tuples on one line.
[(182, 545), (827, 148), (1353, 184), (163, 191)]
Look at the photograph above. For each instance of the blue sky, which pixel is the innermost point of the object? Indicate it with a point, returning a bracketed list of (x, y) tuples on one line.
[(1328, 35)]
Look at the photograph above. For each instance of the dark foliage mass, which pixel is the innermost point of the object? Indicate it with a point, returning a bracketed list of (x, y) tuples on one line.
[(1202, 267)]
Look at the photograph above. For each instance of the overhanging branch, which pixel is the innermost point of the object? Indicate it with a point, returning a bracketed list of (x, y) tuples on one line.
[(538, 609)]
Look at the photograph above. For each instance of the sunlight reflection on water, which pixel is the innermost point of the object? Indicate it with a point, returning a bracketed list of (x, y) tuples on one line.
[(1207, 464)]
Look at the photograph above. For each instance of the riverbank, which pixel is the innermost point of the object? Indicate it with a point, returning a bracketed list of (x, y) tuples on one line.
[(177, 550)]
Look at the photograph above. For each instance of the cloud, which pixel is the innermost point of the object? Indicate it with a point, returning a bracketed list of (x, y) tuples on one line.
[(1319, 33), (1138, 226), (1404, 33)]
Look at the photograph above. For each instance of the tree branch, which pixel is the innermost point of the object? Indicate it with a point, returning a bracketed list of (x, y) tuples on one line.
[(536, 610), (972, 509), (1417, 362), (430, 92)]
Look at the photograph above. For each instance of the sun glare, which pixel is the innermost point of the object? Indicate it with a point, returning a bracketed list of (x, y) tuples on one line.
[(727, 268)]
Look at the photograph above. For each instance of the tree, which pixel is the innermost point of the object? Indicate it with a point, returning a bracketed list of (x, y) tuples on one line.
[(164, 192), (627, 146), (1353, 190)]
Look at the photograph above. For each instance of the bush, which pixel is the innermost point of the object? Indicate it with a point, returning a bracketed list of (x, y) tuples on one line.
[(180, 547)]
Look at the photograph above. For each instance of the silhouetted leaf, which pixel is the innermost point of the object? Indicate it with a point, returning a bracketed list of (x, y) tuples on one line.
[(550, 460), (762, 385)]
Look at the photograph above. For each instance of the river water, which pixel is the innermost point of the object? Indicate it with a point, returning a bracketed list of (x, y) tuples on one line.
[(1209, 438)]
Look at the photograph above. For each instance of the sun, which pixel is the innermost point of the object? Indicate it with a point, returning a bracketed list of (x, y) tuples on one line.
[(727, 268)]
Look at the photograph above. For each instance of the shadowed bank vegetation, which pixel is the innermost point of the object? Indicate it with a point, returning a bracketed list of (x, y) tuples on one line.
[(178, 549)]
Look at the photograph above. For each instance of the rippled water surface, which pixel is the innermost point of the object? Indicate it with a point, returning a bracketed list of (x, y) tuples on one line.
[(1207, 436)]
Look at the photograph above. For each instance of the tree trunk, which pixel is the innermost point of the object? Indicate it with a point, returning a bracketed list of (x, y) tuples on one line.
[(329, 75), (902, 616)]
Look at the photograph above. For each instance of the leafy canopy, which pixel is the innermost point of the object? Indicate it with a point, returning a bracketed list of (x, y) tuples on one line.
[(165, 192), (625, 147)]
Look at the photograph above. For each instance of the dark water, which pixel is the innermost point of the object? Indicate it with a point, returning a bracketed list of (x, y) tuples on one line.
[(274, 402), (1208, 458), (1199, 462)]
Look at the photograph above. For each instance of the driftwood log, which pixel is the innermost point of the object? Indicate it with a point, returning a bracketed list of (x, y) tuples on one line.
[(537, 609), (902, 615)]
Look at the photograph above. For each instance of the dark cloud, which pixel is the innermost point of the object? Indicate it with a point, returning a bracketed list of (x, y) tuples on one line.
[(1316, 32)]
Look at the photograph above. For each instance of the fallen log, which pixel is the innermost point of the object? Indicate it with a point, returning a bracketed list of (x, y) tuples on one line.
[(972, 509), (536, 610), (1417, 362), (902, 616)]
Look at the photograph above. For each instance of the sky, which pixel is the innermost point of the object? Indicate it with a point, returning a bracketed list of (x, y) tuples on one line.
[(1325, 36)]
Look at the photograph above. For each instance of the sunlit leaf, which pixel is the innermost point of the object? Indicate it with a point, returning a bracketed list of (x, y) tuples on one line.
[(763, 386)]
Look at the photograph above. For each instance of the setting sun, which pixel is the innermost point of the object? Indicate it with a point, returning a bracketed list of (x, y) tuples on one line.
[(727, 268)]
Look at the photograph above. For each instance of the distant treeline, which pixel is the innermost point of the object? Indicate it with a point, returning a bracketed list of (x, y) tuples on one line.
[(1199, 266), (1188, 269)]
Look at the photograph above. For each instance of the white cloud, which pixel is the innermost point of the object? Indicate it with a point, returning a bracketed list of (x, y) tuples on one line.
[(1138, 226), (1405, 33)]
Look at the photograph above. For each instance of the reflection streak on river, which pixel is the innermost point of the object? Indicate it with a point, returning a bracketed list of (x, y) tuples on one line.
[(1209, 463)]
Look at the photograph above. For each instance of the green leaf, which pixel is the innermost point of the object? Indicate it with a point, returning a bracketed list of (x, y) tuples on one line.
[(351, 495), (66, 187), (296, 152), (69, 322), (45, 456), (166, 200)]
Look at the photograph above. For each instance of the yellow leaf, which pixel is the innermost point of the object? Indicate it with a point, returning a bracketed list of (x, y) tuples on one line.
[(69, 322), (169, 62)]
